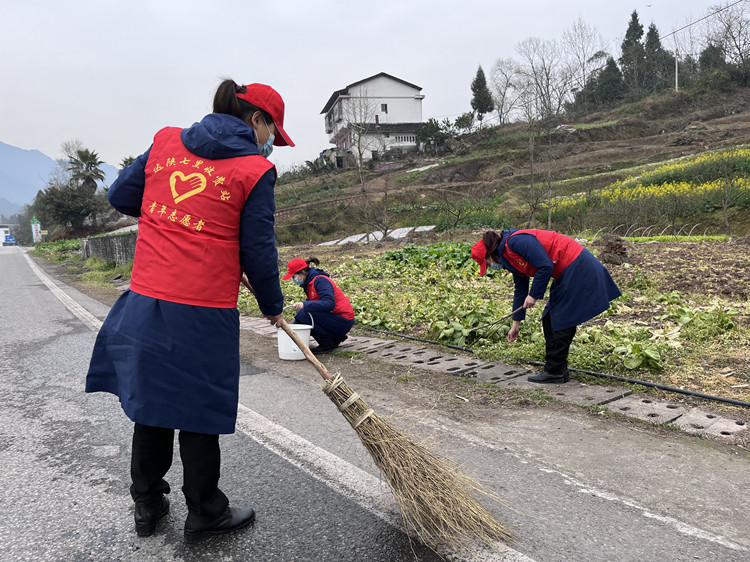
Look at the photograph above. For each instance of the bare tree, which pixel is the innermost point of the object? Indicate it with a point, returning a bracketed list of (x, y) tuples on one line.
[(359, 113), (545, 68), (457, 204), (585, 49), (71, 147), (729, 28), (529, 105), (504, 77), (380, 218), (686, 40)]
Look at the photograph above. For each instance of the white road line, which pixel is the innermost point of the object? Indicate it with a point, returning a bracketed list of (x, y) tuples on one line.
[(81, 313), (368, 491), (680, 526)]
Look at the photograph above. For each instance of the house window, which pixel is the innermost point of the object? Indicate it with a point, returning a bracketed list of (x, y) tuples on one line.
[(384, 107)]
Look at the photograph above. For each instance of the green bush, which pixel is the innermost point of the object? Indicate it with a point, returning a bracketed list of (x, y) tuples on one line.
[(60, 246), (95, 263)]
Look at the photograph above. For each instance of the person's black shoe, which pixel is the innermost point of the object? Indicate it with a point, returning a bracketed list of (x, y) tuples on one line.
[(548, 378), (323, 349), (199, 528), (148, 513)]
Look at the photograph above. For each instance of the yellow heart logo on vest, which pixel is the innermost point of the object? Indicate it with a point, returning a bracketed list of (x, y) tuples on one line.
[(195, 183)]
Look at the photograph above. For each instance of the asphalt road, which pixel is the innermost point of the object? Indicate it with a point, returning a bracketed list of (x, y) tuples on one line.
[(580, 487)]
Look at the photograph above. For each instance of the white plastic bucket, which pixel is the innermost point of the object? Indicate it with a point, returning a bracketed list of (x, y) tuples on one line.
[(287, 348)]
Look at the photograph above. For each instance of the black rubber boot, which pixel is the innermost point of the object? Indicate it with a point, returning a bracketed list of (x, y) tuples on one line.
[(148, 513), (199, 528), (548, 378)]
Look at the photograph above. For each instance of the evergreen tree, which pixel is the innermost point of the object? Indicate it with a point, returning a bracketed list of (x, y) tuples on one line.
[(714, 73), (65, 203), (604, 89), (633, 55), (465, 122), (658, 63), (431, 133), (609, 87), (712, 58), (482, 101)]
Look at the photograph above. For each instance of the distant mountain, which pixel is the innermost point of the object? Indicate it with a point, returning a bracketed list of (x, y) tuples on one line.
[(8, 209), (24, 172)]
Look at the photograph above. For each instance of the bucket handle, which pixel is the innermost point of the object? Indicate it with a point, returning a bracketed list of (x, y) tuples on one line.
[(312, 320)]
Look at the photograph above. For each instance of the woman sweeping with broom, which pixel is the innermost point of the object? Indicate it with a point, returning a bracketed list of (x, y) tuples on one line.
[(169, 348), (581, 287)]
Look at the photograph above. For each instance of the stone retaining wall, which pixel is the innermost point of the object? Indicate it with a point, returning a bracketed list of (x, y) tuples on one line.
[(119, 248)]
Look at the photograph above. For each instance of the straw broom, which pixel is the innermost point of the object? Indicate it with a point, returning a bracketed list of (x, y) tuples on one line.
[(435, 497)]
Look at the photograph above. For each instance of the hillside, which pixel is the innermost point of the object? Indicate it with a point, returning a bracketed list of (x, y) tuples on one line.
[(23, 173), (489, 172)]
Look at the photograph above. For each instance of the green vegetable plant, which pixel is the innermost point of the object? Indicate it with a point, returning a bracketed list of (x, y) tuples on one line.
[(638, 354)]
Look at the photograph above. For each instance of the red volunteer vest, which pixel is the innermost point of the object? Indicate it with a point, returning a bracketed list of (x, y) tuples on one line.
[(188, 248), (561, 249), (343, 306)]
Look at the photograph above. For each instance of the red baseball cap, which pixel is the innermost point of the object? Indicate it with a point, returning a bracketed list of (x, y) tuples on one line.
[(479, 255), (266, 98), (293, 266)]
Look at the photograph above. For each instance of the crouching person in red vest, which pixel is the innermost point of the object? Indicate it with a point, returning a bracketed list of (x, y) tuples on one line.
[(327, 308), (581, 287)]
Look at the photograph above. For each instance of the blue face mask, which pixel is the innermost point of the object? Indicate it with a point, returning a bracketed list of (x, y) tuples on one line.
[(297, 281), (267, 148), (495, 266)]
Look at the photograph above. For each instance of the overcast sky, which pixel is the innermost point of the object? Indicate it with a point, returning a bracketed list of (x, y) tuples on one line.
[(112, 73)]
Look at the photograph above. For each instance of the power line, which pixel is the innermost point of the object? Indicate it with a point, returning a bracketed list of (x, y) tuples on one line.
[(703, 18)]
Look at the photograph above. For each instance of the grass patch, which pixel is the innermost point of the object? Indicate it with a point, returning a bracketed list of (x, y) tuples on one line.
[(60, 251), (532, 398), (351, 354), (103, 272)]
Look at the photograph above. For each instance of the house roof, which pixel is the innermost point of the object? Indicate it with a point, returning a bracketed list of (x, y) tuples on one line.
[(337, 93)]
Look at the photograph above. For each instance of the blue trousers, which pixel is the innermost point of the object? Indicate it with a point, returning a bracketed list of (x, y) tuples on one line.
[(328, 328)]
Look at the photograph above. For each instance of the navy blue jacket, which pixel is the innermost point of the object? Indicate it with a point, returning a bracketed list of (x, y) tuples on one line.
[(324, 289), (583, 290)]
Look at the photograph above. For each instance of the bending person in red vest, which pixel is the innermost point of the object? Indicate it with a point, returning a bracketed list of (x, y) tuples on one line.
[(581, 288), (327, 308), (169, 348)]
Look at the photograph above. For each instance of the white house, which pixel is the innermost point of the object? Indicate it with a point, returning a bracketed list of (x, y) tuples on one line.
[(373, 116), (6, 239)]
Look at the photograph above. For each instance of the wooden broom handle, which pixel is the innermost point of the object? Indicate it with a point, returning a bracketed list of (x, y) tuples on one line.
[(306, 350)]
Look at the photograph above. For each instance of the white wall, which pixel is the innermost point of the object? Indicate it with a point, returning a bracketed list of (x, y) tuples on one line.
[(404, 104), (400, 98)]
